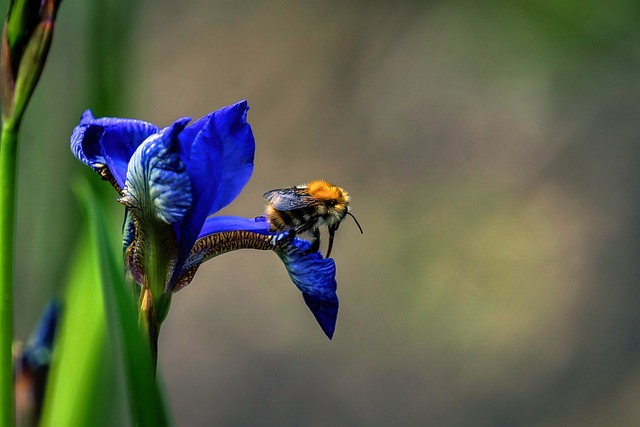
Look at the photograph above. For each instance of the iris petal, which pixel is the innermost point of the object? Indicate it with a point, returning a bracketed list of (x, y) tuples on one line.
[(78, 134), (119, 143), (109, 141), (312, 274), (315, 277), (157, 179), (91, 153), (87, 117), (238, 147), (220, 224), (219, 151), (204, 156), (220, 235)]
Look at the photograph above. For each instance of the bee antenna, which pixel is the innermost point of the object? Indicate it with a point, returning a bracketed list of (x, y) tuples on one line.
[(357, 223)]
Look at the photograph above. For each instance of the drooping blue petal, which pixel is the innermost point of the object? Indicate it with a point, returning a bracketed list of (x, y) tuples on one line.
[(109, 141), (91, 153), (118, 144), (238, 147), (312, 274), (220, 235), (78, 135), (315, 277), (93, 156), (157, 179)]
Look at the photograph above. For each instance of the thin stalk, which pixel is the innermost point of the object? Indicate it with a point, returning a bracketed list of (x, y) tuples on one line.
[(154, 303), (149, 324), (8, 172)]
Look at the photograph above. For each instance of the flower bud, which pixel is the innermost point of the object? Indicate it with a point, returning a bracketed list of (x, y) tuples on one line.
[(26, 39)]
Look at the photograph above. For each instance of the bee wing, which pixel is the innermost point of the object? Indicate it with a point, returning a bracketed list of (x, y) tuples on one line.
[(288, 199)]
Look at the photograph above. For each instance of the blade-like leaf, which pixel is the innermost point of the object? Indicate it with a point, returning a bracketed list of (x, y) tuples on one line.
[(100, 334), (81, 381), (145, 399)]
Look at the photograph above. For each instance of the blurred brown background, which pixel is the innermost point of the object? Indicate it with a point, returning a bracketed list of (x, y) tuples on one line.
[(491, 152)]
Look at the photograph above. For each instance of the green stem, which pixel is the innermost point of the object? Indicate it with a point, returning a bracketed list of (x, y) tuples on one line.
[(148, 322), (8, 172), (160, 248)]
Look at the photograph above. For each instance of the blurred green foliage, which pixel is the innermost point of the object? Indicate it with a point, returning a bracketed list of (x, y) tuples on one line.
[(85, 374)]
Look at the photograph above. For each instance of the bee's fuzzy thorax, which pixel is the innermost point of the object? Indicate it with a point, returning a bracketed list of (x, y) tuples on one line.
[(322, 190)]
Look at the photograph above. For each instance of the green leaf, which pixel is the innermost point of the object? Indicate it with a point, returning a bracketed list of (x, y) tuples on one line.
[(81, 382), (115, 329)]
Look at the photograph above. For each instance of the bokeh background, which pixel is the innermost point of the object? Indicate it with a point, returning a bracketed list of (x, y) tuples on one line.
[(492, 153)]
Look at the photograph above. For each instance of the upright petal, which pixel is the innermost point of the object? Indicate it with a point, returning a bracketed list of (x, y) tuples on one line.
[(204, 156), (219, 150), (238, 147), (157, 180)]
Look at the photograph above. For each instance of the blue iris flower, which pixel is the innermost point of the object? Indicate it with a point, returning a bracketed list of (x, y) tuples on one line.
[(171, 182)]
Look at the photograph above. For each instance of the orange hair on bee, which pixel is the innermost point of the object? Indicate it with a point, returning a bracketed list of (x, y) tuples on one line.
[(323, 190)]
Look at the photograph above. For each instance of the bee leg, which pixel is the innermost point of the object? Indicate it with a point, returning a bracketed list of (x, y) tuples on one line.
[(332, 232), (291, 235), (315, 243)]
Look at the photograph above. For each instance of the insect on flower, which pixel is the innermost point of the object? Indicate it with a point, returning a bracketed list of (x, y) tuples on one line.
[(305, 208)]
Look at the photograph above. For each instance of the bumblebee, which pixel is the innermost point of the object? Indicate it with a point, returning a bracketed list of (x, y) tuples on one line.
[(306, 208)]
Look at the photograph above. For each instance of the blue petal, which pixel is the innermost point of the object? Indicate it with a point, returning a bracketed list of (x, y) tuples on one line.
[(220, 224), (109, 142), (119, 143), (238, 147), (312, 274), (204, 154), (91, 154), (157, 179), (220, 235), (87, 117), (219, 152), (315, 277), (79, 134), (238, 151)]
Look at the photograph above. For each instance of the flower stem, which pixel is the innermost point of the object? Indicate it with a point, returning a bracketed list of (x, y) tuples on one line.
[(149, 323), (159, 257), (8, 172)]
